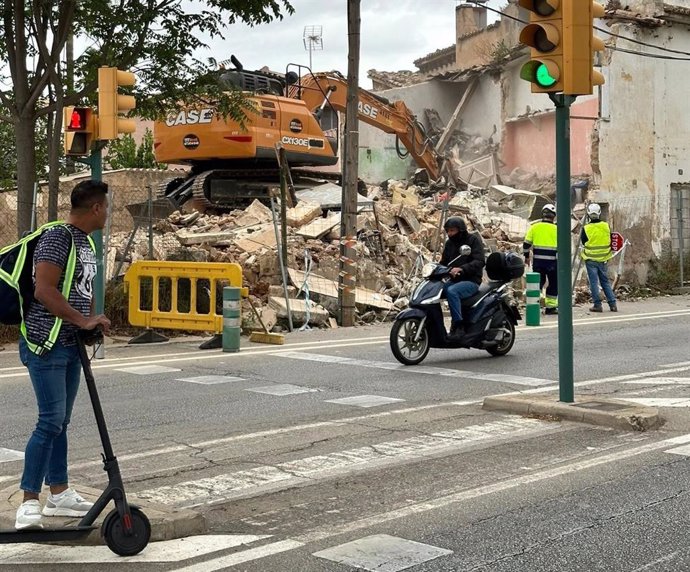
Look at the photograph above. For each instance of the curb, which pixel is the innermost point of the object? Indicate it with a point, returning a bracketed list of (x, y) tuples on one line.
[(615, 413), (166, 523)]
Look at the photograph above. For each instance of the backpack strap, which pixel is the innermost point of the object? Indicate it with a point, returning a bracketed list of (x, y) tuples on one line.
[(45, 347)]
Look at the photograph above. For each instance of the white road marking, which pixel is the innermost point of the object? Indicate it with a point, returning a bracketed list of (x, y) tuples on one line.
[(441, 502), (382, 553), (282, 389), (242, 557), (683, 450), (660, 381), (660, 401), (655, 565), (210, 379), (212, 490), (7, 455), (365, 400), (165, 551), (148, 369), (418, 369)]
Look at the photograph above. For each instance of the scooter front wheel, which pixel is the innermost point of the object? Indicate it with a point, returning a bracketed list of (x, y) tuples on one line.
[(115, 537), (406, 349), (506, 339)]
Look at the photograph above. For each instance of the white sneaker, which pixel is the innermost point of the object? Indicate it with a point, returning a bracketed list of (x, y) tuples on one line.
[(67, 503), (28, 515)]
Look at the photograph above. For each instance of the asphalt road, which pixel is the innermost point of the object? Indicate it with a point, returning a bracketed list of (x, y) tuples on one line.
[(407, 473)]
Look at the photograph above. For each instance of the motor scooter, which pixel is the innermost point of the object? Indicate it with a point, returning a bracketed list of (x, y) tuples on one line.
[(489, 317), (126, 529)]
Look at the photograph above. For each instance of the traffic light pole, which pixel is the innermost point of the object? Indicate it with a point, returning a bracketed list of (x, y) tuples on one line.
[(95, 161), (565, 290)]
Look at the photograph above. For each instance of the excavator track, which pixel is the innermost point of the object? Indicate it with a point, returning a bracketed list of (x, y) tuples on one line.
[(202, 203)]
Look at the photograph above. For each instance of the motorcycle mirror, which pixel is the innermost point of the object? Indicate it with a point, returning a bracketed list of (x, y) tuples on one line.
[(465, 250)]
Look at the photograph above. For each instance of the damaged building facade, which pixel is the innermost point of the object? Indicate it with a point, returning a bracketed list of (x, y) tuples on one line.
[(627, 140)]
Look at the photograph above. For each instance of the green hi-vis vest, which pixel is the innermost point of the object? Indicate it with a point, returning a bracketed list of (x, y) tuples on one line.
[(23, 265), (598, 245)]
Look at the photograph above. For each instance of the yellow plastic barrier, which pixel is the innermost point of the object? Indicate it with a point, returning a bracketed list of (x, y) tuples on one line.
[(166, 294)]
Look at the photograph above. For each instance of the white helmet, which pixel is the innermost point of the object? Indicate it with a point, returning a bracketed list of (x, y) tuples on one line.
[(548, 210), (593, 210)]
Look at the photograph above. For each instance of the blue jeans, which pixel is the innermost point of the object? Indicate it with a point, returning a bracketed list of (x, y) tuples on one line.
[(598, 272), (55, 378), (456, 292)]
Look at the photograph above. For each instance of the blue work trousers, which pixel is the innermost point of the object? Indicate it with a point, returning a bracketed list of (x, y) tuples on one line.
[(55, 378), (598, 272), (456, 292)]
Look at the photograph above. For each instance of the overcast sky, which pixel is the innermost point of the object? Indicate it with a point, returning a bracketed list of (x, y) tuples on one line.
[(394, 33)]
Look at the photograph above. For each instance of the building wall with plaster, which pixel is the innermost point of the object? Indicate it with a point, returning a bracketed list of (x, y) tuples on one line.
[(643, 149)]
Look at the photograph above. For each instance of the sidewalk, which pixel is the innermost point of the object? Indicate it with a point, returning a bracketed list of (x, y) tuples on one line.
[(166, 523)]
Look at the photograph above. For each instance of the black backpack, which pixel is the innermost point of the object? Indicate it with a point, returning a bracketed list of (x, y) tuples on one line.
[(16, 276)]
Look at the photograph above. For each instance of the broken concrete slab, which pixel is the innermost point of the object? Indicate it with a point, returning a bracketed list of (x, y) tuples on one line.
[(256, 213), (325, 287), (302, 311), (329, 196), (403, 195), (303, 213), (264, 237), (406, 216), (187, 237), (320, 226)]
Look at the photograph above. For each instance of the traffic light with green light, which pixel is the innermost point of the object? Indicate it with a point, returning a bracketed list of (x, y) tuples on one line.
[(79, 130), (544, 36), (111, 104), (562, 45)]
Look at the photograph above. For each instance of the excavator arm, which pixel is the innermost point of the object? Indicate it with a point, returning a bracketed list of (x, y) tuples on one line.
[(321, 89)]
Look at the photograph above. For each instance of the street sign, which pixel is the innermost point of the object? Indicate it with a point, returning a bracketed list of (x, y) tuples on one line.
[(617, 241)]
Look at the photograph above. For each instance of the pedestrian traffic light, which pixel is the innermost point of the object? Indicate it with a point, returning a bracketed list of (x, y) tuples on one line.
[(544, 35), (580, 46), (111, 103), (79, 130)]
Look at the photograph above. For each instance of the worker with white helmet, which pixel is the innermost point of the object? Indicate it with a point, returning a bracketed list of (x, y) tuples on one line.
[(596, 238), (541, 241)]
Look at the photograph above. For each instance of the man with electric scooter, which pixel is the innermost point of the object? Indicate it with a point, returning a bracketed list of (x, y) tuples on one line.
[(464, 254), (64, 268)]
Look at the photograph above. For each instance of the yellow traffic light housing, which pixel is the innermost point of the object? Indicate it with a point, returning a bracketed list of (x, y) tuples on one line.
[(111, 104), (79, 130), (544, 35), (580, 46)]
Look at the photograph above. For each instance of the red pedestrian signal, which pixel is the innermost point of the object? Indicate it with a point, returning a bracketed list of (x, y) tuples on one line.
[(79, 130)]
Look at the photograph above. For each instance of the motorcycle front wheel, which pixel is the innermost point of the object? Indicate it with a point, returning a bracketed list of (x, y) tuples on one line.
[(505, 337), (405, 348)]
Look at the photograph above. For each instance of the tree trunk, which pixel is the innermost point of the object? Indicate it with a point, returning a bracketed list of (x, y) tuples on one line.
[(26, 171), (54, 136)]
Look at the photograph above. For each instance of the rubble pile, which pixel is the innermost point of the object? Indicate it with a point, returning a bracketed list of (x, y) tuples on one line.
[(398, 230)]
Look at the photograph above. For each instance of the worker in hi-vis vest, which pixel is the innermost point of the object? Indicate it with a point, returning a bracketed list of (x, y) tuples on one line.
[(596, 238), (541, 240)]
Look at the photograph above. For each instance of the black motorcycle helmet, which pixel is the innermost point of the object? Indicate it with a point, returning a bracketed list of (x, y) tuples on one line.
[(455, 222)]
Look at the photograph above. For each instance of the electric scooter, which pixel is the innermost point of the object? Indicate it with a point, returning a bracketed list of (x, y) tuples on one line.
[(126, 529), (489, 317)]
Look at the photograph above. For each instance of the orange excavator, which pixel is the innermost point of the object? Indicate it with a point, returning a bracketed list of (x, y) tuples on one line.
[(231, 164)]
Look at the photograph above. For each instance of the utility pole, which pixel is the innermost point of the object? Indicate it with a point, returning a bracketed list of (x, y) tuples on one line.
[(348, 220)]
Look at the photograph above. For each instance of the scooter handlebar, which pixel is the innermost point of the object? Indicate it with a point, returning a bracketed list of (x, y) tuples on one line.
[(91, 337)]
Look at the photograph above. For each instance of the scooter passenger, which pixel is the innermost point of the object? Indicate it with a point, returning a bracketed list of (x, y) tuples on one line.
[(466, 269)]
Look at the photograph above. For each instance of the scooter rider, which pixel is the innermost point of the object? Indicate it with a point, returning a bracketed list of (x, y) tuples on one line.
[(464, 254)]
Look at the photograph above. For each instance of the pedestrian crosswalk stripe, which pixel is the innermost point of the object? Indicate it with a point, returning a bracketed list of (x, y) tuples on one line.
[(365, 400), (660, 401), (282, 389), (382, 552), (248, 482), (211, 379), (419, 369), (7, 455), (148, 369)]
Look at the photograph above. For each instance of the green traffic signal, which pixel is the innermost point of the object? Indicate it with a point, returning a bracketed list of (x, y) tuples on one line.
[(543, 77)]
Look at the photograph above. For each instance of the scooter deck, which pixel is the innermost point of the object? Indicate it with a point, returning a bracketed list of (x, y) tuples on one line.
[(12, 536)]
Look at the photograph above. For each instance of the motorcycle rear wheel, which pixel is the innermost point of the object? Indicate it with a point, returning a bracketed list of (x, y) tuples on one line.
[(507, 330), (403, 345)]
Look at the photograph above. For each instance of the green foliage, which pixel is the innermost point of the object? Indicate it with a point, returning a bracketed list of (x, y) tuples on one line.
[(664, 272), (123, 153), (499, 51)]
